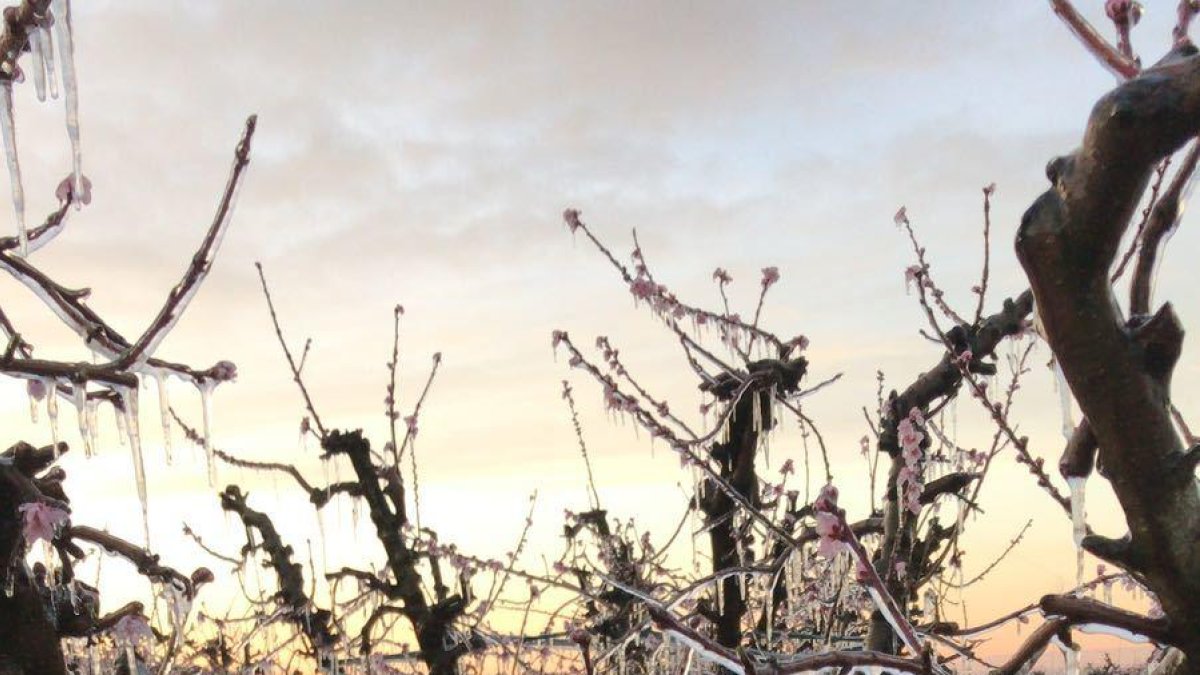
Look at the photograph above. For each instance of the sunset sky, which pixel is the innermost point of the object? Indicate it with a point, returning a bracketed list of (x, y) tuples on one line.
[(423, 153)]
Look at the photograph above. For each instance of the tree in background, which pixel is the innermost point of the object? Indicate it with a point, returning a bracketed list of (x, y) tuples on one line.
[(1116, 362), (790, 582)]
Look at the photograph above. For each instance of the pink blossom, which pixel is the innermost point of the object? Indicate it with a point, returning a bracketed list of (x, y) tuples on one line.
[(910, 439), (964, 359), (41, 521), (66, 190), (36, 389), (901, 217), (132, 628), (721, 276), (831, 531), (223, 371), (788, 467), (642, 288), (770, 275), (827, 499), (411, 422), (861, 574), (556, 337), (1123, 12), (912, 274), (571, 217), (901, 568), (612, 399)]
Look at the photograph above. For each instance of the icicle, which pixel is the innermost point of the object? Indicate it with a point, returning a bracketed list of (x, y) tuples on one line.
[(9, 130), (39, 65), (721, 596), (1078, 488), (164, 408), (52, 414), (321, 535), (129, 397), (769, 599), (206, 389), (93, 407), (930, 606), (122, 434), (1064, 401), (1070, 656), (47, 43), (79, 398), (33, 400), (62, 27)]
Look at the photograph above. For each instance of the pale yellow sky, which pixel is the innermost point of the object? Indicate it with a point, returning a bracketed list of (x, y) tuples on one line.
[(422, 153)]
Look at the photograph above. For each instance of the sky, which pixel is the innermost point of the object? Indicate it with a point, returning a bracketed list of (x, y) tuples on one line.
[(423, 153)]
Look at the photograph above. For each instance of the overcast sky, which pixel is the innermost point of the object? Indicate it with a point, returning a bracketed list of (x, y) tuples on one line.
[(422, 153)]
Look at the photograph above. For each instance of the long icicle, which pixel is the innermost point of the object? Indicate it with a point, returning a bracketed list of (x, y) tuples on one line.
[(47, 43), (135, 445), (62, 27), (9, 130), (164, 407), (39, 63), (206, 389)]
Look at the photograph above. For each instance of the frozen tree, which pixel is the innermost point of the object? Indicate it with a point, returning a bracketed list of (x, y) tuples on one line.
[(45, 610), (1115, 359)]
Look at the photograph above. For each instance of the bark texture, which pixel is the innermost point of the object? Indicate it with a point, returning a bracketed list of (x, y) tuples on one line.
[(1119, 368)]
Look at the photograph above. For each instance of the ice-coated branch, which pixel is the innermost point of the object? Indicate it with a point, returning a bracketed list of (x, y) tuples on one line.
[(147, 563), (1124, 67), (1083, 611), (42, 234), (19, 22), (738, 661), (1033, 647), (319, 496), (1164, 218), (179, 297), (1118, 370), (68, 304)]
